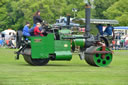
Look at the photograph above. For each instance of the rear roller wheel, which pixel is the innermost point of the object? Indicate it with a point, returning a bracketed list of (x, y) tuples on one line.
[(96, 59), (28, 59), (35, 62)]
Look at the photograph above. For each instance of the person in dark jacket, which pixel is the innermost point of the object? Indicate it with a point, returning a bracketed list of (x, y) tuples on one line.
[(100, 28), (109, 31), (37, 18)]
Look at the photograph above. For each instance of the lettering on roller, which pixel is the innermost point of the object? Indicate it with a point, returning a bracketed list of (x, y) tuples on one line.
[(37, 40)]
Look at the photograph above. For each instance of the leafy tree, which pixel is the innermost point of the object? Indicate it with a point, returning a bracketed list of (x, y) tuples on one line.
[(3, 14), (118, 11), (14, 13), (101, 6)]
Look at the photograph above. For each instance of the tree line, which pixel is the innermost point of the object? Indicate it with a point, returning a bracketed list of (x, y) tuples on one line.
[(14, 13)]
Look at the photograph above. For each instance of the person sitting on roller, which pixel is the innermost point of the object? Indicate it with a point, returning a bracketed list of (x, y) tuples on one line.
[(100, 28), (109, 31), (37, 32), (26, 30)]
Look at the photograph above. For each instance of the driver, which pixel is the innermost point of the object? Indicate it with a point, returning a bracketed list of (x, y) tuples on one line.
[(109, 30)]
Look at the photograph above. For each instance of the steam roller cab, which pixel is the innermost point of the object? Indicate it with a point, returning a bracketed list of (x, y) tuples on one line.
[(39, 50)]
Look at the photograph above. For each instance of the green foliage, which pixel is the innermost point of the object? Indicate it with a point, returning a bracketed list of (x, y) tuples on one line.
[(118, 11), (101, 6), (3, 13), (15, 13)]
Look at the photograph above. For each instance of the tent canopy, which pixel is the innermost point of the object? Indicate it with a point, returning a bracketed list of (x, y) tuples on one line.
[(8, 32), (97, 21), (121, 27)]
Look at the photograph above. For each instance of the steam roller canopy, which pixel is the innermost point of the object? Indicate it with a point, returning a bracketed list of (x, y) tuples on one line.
[(96, 59)]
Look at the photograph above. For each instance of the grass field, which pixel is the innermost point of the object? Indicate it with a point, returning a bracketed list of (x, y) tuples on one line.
[(74, 72)]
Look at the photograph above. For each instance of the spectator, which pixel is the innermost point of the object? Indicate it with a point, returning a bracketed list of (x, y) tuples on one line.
[(1, 42), (118, 37), (118, 44), (126, 42), (3, 36), (122, 42), (10, 44), (113, 44)]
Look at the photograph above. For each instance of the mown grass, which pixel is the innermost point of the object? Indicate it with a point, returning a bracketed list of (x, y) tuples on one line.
[(74, 72)]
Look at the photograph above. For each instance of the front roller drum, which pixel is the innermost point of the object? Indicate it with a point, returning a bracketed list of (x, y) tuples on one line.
[(97, 59), (35, 62)]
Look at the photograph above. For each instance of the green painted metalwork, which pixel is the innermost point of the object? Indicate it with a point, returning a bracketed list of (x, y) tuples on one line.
[(78, 42), (63, 50), (65, 31), (99, 61), (41, 47), (63, 55)]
